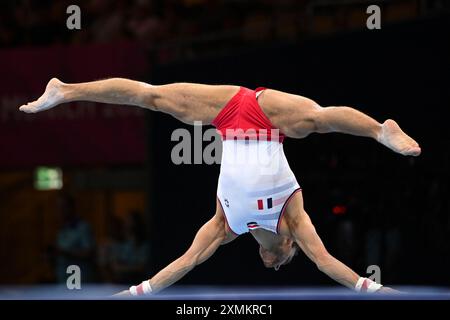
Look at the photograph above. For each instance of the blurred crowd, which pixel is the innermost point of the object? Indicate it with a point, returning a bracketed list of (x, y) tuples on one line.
[(27, 22), (181, 28), (120, 258)]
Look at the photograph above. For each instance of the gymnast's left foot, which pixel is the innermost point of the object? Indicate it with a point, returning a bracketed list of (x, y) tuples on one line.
[(52, 97), (392, 136)]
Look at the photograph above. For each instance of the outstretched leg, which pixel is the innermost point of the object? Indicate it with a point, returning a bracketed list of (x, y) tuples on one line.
[(351, 121), (187, 102), (298, 117)]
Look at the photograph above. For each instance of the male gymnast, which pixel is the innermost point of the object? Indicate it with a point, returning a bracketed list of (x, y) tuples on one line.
[(257, 191)]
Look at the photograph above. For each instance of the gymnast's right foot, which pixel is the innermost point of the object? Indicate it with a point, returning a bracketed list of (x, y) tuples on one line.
[(394, 138), (52, 96)]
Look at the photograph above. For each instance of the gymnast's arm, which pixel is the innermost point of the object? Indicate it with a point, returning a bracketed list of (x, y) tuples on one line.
[(309, 241), (210, 236), (307, 238)]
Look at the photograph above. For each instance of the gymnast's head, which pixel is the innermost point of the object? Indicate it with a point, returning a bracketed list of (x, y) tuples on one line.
[(280, 254)]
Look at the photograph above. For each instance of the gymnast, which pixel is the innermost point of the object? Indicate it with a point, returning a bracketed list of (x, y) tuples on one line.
[(257, 191)]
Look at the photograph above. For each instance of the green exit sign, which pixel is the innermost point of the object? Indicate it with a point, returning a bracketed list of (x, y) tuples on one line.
[(48, 178)]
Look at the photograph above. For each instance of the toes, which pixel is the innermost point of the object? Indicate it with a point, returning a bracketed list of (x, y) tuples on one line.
[(416, 151), (27, 109), (24, 108)]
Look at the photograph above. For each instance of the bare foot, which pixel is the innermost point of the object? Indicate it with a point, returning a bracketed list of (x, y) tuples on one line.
[(394, 138), (52, 97)]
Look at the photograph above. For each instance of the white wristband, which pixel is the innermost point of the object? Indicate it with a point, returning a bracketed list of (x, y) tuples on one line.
[(142, 289), (133, 291), (367, 285)]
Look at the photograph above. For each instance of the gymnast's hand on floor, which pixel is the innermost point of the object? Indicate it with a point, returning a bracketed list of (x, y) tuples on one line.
[(52, 96), (122, 294), (387, 290)]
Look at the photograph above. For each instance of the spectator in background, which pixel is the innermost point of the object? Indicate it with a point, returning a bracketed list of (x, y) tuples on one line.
[(74, 243), (106, 248), (129, 253)]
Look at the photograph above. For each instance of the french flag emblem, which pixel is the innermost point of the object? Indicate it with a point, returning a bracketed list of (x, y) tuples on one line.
[(261, 203)]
